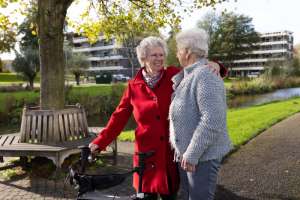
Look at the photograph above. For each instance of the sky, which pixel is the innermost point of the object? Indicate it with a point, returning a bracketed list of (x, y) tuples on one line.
[(267, 15)]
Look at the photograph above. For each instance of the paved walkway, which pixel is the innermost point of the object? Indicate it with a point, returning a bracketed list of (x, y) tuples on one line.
[(268, 167)]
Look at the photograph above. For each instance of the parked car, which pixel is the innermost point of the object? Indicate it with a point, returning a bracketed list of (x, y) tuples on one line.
[(120, 77)]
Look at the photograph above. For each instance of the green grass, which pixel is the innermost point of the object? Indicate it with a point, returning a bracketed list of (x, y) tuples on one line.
[(10, 77), (28, 96), (227, 83), (126, 136), (101, 89), (246, 123), (8, 174), (31, 96), (13, 78)]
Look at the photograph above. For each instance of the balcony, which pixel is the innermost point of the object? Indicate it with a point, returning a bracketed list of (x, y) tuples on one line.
[(258, 60), (106, 68), (117, 57), (84, 39), (89, 49)]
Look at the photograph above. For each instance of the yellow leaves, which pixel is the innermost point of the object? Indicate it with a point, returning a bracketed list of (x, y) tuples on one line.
[(4, 21), (33, 28), (126, 17), (5, 3), (7, 33)]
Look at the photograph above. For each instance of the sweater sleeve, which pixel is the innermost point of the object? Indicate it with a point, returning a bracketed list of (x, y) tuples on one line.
[(116, 122), (209, 94)]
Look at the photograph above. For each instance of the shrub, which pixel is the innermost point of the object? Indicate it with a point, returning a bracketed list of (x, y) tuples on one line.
[(12, 88), (98, 104)]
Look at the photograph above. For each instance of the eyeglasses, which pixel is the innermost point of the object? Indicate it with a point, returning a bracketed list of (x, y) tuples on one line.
[(157, 55)]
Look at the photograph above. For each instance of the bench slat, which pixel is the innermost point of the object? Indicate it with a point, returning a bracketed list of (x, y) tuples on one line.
[(80, 123), (71, 120), (45, 127), (23, 126), (61, 128), (39, 130), (8, 140), (50, 129), (76, 131), (16, 139), (28, 126), (85, 124), (33, 132), (56, 128), (67, 127), (2, 140)]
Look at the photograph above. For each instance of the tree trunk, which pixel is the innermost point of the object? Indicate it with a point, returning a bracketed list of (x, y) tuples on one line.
[(51, 18), (31, 82), (77, 79)]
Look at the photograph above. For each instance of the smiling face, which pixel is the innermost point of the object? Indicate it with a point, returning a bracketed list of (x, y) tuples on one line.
[(154, 60)]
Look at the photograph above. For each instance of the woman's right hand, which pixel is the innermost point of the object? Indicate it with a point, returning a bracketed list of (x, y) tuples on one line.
[(93, 147)]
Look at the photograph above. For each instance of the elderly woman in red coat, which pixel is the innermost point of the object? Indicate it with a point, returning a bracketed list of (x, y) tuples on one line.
[(148, 96)]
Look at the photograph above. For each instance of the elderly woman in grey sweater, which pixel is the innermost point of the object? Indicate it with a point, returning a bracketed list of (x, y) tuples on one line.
[(198, 130)]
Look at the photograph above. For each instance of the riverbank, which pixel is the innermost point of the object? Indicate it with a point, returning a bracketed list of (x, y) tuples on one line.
[(261, 85)]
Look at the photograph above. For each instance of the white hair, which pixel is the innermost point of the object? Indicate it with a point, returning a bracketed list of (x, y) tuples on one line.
[(195, 40), (146, 44)]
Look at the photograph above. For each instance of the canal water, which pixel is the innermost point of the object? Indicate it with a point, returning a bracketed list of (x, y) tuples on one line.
[(250, 100)]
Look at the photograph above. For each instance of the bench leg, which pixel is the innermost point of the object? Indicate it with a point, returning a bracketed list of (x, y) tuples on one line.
[(1, 159), (24, 160)]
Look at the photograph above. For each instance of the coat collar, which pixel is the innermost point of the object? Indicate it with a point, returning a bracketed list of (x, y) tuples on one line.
[(139, 77), (186, 71)]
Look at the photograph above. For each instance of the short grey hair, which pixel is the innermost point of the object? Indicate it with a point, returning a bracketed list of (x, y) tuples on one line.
[(146, 44), (195, 40)]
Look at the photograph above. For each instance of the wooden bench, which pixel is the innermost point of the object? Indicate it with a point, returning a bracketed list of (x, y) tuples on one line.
[(52, 134)]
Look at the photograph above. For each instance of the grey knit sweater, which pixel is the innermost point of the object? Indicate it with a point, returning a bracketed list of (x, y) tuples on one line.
[(198, 130)]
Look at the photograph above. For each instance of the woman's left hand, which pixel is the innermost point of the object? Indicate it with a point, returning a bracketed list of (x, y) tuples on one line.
[(214, 67), (187, 166)]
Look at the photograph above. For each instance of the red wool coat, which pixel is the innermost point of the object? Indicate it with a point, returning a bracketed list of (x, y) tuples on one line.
[(150, 108)]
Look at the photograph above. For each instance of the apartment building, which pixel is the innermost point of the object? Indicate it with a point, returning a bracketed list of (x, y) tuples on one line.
[(104, 55), (273, 46)]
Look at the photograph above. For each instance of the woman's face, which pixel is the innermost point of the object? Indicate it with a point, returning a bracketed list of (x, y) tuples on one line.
[(155, 59), (182, 57)]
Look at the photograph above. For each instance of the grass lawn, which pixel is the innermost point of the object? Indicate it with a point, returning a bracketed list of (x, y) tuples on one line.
[(227, 83), (13, 78), (30, 96), (99, 89), (10, 77), (246, 123)]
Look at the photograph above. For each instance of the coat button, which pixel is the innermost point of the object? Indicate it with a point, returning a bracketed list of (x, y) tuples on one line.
[(152, 165), (176, 140), (162, 138), (157, 117)]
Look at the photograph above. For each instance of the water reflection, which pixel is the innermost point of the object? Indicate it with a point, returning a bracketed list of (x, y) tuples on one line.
[(245, 101)]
